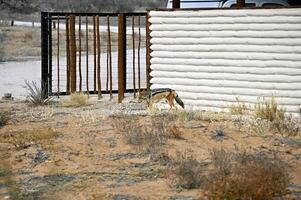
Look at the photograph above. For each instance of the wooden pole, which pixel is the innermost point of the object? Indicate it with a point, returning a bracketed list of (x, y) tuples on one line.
[(176, 4), (94, 42), (110, 58), (72, 54), (58, 56), (98, 58), (80, 53), (68, 55), (121, 56), (134, 71), (87, 56), (139, 47)]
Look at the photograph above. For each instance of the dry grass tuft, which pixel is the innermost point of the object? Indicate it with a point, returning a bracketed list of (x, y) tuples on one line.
[(238, 108), (246, 176), (184, 171), (269, 110), (25, 139), (4, 118), (188, 116), (76, 100)]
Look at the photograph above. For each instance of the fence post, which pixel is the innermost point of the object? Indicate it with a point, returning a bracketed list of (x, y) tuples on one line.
[(176, 4), (148, 51), (121, 56), (72, 43), (44, 52), (241, 3)]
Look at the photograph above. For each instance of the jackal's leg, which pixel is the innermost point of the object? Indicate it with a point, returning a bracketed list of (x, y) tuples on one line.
[(170, 98)]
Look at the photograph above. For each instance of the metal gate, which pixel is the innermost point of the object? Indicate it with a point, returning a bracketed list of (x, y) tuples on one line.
[(94, 53)]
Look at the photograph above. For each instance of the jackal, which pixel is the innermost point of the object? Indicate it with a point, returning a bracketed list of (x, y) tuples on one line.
[(155, 95)]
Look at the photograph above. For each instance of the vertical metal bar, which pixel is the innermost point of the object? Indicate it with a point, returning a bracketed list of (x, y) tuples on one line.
[(80, 53), (94, 42), (58, 56), (176, 4), (148, 51), (121, 56), (44, 52), (139, 47), (68, 55), (50, 56), (110, 58), (98, 58), (134, 71), (87, 56), (108, 27), (240, 3), (72, 54)]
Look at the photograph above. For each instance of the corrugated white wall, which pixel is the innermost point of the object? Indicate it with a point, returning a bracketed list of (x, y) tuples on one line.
[(210, 57)]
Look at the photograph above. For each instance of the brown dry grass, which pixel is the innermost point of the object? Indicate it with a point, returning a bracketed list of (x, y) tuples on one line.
[(76, 100), (246, 176), (25, 139)]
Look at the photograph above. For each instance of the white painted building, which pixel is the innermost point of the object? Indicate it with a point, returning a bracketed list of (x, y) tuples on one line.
[(211, 57)]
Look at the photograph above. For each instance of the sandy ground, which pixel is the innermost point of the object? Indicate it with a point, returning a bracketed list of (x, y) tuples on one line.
[(90, 160)]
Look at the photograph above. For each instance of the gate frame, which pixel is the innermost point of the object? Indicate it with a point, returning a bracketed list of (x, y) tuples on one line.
[(46, 50)]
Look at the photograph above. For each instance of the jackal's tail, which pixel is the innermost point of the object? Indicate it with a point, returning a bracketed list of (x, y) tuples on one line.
[(179, 101)]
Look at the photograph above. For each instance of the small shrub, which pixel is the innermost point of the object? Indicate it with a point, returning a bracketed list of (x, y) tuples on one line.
[(36, 95), (269, 110), (219, 132), (76, 100), (247, 176), (4, 118), (184, 171), (221, 161), (288, 126), (24, 139), (148, 140)]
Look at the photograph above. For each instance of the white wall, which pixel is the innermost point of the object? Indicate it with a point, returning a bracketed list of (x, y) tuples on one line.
[(210, 57)]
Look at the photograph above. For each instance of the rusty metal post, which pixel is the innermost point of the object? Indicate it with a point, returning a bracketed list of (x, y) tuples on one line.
[(110, 58), (58, 56), (87, 56), (98, 58), (72, 54), (240, 3), (80, 53), (134, 70), (94, 42), (148, 51), (176, 4), (139, 47), (121, 56), (68, 55)]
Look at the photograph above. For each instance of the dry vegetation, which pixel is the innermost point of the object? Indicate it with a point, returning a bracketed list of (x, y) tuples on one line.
[(76, 100), (19, 43), (183, 155), (4, 118), (24, 139)]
